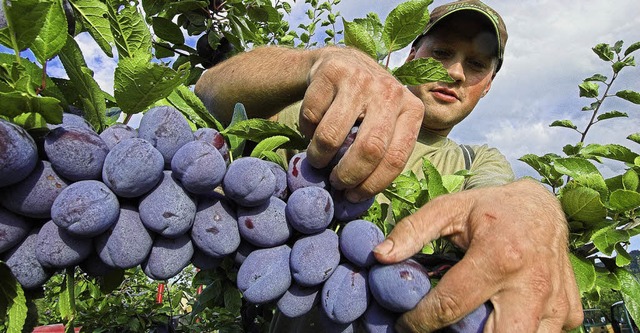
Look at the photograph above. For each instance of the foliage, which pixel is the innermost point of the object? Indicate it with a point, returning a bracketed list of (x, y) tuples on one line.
[(602, 213)]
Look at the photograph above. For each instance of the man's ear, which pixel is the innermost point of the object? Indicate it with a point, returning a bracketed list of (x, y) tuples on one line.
[(412, 54), (487, 88)]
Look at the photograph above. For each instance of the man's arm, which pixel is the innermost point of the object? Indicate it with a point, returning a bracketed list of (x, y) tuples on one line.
[(338, 86), (264, 80)]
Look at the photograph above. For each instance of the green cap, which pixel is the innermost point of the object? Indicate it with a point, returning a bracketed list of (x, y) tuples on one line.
[(443, 11)]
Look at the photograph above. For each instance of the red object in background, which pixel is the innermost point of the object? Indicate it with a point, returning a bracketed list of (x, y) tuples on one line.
[(55, 328), (160, 293)]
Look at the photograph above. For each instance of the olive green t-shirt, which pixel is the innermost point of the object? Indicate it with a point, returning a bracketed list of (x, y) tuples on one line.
[(488, 168)]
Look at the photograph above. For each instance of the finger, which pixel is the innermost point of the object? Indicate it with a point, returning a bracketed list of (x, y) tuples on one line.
[(442, 216), (511, 314), (465, 287), (407, 127), (317, 100)]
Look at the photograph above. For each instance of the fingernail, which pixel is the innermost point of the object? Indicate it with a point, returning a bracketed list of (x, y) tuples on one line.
[(354, 197), (384, 248)]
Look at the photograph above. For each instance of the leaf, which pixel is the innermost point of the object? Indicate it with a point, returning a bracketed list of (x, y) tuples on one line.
[(630, 180), (232, 298), (622, 258), (421, 70), (130, 32), (583, 204), (606, 239), (435, 187), (584, 271), (12, 300), (633, 47), (624, 200), (185, 100), (274, 157), (597, 77), (236, 143), (34, 71), (629, 95), (583, 172), (85, 86), (16, 103), (630, 289), (50, 40), (256, 130), (90, 13), (589, 89), (453, 183), (610, 151), (139, 83), (603, 51), (635, 137), (371, 23), (405, 23), (543, 166), (619, 65), (356, 35), (268, 145), (607, 279), (25, 19), (612, 114), (167, 30), (563, 123)]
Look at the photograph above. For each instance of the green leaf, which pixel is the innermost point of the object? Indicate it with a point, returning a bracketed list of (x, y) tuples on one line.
[(256, 130), (50, 40), (624, 200), (374, 28), (612, 114), (12, 299), (139, 83), (356, 35), (604, 51), (623, 258), (629, 95), (610, 151), (236, 143), (606, 239), (232, 298), (589, 89), (607, 279), (33, 71), (405, 23), (619, 65), (453, 183), (583, 204), (85, 86), (91, 14), (633, 47), (185, 100), (630, 289), (167, 30), (583, 172), (16, 103), (269, 144), (563, 123), (635, 137), (130, 32), (630, 180), (275, 158), (435, 187), (584, 271), (422, 70), (25, 19), (597, 77), (543, 166)]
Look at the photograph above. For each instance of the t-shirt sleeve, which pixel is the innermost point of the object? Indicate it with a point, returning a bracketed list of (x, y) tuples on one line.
[(489, 168)]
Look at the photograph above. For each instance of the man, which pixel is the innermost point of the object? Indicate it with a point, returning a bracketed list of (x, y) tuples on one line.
[(514, 233)]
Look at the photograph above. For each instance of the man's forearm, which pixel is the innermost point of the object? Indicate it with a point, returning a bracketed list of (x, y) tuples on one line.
[(264, 80)]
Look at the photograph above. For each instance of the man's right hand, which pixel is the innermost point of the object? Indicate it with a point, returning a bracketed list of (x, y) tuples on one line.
[(345, 85)]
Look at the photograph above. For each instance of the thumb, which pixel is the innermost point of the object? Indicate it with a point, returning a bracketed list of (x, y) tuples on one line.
[(442, 216)]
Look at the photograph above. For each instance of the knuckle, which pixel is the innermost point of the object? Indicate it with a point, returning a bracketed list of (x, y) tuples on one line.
[(397, 158), (510, 258), (447, 309), (373, 148), (328, 137), (309, 115)]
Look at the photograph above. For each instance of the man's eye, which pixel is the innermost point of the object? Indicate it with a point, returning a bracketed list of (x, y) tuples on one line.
[(440, 54)]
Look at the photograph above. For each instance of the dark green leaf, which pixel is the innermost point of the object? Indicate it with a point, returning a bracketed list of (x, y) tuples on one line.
[(152, 7), (12, 300), (49, 41), (592, 106), (236, 143), (604, 51), (232, 298), (563, 123), (619, 65), (139, 83), (167, 30), (635, 137), (596, 77), (630, 289), (356, 35), (612, 114), (35, 73), (583, 204), (16, 103), (256, 130), (92, 15), (420, 71), (404, 23), (584, 271), (633, 47), (25, 19), (86, 88), (607, 279), (183, 99), (589, 89), (130, 32), (629, 95)]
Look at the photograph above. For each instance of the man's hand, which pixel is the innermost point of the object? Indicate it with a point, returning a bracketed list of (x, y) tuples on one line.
[(345, 85), (515, 237)]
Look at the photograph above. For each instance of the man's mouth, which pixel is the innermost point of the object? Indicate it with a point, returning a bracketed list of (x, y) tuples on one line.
[(445, 94)]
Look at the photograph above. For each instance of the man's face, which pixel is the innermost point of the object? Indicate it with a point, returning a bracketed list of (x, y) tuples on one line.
[(466, 47)]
